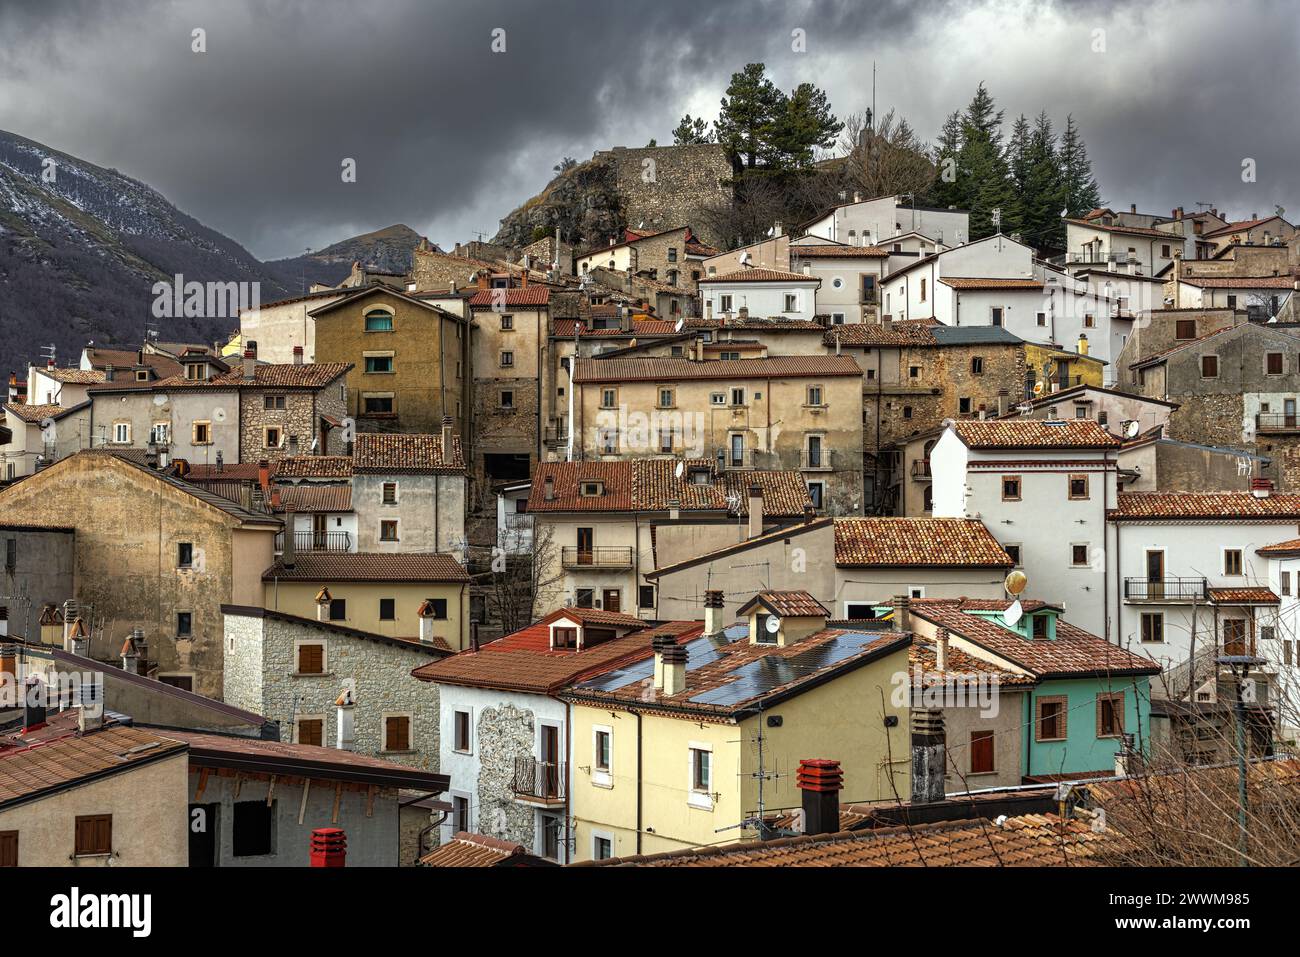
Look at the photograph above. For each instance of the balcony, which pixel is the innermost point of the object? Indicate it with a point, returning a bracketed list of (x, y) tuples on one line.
[(540, 782), (317, 542), (921, 470), (602, 556), (817, 460), (1277, 422), (1169, 590), (556, 435), (733, 459)]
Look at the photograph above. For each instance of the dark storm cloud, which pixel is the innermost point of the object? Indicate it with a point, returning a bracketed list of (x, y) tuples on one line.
[(449, 136)]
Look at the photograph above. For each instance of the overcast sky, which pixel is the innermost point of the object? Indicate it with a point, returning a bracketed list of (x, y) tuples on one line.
[(448, 135)]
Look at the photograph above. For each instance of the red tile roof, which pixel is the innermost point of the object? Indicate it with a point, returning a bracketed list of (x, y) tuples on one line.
[(33, 413), (1072, 652), (931, 542), (720, 370), (27, 772), (565, 328), (1134, 230), (1173, 506), (963, 282), (1033, 434), (1280, 549), (312, 466), (1241, 282), (316, 498), (759, 275), (1244, 596), (786, 604), (389, 453), (824, 251), (474, 850), (909, 332), (533, 295), (430, 567)]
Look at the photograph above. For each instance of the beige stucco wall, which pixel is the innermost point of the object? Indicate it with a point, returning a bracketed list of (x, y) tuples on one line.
[(299, 598)]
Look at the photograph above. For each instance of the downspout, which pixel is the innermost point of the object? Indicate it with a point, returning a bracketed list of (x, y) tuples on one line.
[(1105, 568), (437, 488), (1029, 730), (543, 351), (638, 782), (568, 778)]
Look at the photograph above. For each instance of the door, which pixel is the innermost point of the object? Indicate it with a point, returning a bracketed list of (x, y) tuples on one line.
[(997, 316), (319, 530), (737, 450), (586, 545), (814, 451), (612, 600), (1234, 636), (1155, 575), (1288, 412), (203, 835), (550, 761)]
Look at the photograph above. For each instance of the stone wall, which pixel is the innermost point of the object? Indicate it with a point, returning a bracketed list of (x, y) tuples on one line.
[(505, 732), (298, 421), (667, 186)]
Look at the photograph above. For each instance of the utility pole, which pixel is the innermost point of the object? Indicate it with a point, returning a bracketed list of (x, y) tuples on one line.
[(1240, 666)]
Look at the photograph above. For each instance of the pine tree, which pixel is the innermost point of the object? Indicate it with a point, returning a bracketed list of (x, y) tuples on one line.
[(1043, 193), (982, 174), (805, 124), (692, 130), (947, 191), (1018, 166), (1080, 190), (749, 115)]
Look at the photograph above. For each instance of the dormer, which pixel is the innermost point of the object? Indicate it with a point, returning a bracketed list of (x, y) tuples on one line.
[(782, 618), (591, 488), (197, 366), (573, 632), (1036, 625)]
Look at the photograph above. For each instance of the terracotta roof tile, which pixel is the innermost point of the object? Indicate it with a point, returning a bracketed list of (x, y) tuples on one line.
[(28, 771), (1033, 434), (317, 498), (77, 376), (473, 850), (1244, 596), (670, 369), (1240, 282), (369, 567), (966, 282), (759, 275), (862, 542), (533, 295), (910, 332), (1290, 547), (313, 466), (1172, 505), (1134, 230), (811, 251), (565, 328), (383, 452), (33, 413), (787, 604)]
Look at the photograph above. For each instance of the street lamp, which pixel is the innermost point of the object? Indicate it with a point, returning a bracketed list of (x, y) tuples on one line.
[(1240, 666)]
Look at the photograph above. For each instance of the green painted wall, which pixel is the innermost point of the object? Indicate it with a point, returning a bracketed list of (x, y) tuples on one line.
[(1082, 750)]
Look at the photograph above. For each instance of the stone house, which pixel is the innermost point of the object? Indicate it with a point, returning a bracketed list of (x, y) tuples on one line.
[(152, 552), (782, 413), (1161, 330), (600, 528), (333, 686), (408, 493), (408, 358), (672, 256), (1123, 414), (422, 596)]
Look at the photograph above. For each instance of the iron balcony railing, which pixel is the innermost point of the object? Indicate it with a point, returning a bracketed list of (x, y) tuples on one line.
[(597, 556), (921, 469), (1277, 422), (817, 460), (317, 541), (735, 459), (542, 781), (1166, 589)]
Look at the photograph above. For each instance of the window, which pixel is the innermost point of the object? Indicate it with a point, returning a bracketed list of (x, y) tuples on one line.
[(564, 637), (602, 848), (1078, 555), (591, 489), (672, 254), (1039, 627), (462, 740), (646, 596), (1232, 302), (717, 398), (378, 404), (311, 659), (1285, 584), (914, 372), (379, 365), (184, 554), (253, 828), (817, 494), (272, 437), (1078, 487), (963, 405), (397, 732), (602, 750), (1209, 367), (666, 398), (311, 731), (507, 358), (459, 813), (791, 302), (608, 398), (507, 323), (387, 609), (701, 770), (923, 289), (160, 434), (273, 403), (977, 365), (388, 530), (981, 752), (390, 493), (377, 320), (997, 315), (1041, 318), (724, 303), (1153, 627), (1273, 363), (94, 835), (122, 433), (8, 848), (738, 396), (439, 608), (184, 624), (1013, 551), (907, 411), (1110, 714), (1051, 721), (815, 395), (1164, 250), (338, 609), (1185, 329), (1011, 488), (1232, 561), (1267, 632), (1089, 321)]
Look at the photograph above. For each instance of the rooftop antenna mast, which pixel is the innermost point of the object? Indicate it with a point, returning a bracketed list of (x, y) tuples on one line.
[(49, 352), (305, 253), (761, 775)]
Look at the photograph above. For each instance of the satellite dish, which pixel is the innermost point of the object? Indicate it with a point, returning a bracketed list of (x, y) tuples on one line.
[(314, 444), (1131, 428), (219, 415), (1015, 582), (160, 399), (1013, 613), (744, 258), (773, 624), (681, 467), (680, 323)]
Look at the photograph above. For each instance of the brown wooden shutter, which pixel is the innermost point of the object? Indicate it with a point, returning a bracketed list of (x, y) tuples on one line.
[(311, 659), (981, 752), (311, 731), (94, 834), (397, 734), (8, 848)]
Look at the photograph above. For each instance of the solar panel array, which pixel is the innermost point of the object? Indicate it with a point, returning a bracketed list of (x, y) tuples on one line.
[(764, 674), (699, 652)]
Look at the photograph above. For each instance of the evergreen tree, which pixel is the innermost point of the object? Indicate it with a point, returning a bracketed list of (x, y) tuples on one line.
[(749, 115), (804, 125), (692, 130), (947, 190), (982, 174), (1018, 166), (1043, 196), (1080, 190)]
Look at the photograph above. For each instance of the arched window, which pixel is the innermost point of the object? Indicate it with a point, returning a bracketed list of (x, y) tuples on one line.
[(927, 499), (379, 320)]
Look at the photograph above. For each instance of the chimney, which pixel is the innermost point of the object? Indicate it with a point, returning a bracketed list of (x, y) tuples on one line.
[(755, 511), (809, 512), (289, 554), (9, 665), (264, 474), (329, 847), (1261, 487), (674, 509), (275, 498), (670, 659), (108, 373), (323, 599), (49, 363), (345, 702), (1132, 207), (426, 622), (941, 649), (1083, 344), (902, 613), (1178, 212), (78, 639), (250, 365), (713, 611), (777, 229), (483, 279), (297, 355), (928, 745), (820, 780), (130, 653), (447, 422), (1004, 400), (523, 279), (857, 196), (34, 698), (548, 488)]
